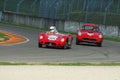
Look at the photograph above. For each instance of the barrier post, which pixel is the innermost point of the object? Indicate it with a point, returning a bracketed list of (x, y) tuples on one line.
[(1, 15)]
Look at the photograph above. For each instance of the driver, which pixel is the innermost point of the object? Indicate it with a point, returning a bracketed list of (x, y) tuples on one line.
[(52, 29)]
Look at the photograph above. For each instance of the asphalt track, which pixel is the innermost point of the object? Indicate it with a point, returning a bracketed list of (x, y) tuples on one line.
[(29, 51)]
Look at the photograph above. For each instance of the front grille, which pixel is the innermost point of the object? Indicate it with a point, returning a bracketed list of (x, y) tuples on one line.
[(89, 39), (48, 43)]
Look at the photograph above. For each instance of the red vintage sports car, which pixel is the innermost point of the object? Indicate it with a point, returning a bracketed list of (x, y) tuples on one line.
[(89, 33), (55, 40)]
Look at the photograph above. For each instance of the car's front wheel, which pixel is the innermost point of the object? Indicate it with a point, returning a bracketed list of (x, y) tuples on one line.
[(66, 46), (77, 41), (39, 45), (99, 44)]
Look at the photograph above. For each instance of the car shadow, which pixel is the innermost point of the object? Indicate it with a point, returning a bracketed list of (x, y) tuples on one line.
[(56, 48), (88, 44)]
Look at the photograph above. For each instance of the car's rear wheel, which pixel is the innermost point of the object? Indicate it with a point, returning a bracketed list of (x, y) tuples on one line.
[(69, 42), (39, 45), (67, 46), (99, 44)]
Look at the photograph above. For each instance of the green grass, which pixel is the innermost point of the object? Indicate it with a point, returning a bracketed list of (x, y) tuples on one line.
[(10, 63), (45, 29), (83, 64), (27, 26), (22, 25), (65, 64), (3, 37), (112, 39)]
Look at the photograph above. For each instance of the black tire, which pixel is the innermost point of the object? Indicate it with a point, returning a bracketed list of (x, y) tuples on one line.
[(39, 45), (69, 43), (65, 46), (69, 47), (77, 41), (99, 44)]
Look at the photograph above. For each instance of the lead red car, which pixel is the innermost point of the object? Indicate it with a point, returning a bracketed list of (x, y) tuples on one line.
[(55, 40), (89, 33)]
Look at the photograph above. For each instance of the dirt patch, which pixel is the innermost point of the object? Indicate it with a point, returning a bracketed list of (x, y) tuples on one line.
[(2, 39), (13, 38)]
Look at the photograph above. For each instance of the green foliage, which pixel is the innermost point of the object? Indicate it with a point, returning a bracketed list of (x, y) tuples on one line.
[(11, 5), (77, 9), (96, 17), (1, 4)]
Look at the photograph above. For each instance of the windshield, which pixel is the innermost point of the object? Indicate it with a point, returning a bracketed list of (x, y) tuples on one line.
[(90, 28)]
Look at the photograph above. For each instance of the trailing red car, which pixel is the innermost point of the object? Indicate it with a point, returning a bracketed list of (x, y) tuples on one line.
[(89, 33), (55, 40)]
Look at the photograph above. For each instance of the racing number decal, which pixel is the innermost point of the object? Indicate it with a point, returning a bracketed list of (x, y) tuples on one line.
[(52, 37)]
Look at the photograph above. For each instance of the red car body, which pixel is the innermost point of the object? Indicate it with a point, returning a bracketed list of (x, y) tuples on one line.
[(89, 33), (55, 40)]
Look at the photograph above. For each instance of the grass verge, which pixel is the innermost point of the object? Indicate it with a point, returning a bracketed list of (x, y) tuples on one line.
[(45, 29), (64, 64), (3, 37), (21, 25), (112, 39)]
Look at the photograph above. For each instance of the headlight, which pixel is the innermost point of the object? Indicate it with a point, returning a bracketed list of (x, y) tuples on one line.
[(100, 36), (62, 40), (41, 37), (79, 33)]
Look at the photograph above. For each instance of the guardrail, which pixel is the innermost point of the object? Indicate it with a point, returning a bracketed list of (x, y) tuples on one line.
[(63, 25)]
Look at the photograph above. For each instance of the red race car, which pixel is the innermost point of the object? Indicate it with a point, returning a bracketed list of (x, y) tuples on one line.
[(89, 33), (55, 40)]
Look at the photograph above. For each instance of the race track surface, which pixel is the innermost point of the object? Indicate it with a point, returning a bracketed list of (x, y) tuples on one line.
[(29, 51)]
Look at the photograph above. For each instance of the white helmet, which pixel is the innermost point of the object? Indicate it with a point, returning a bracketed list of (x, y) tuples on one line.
[(52, 29)]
